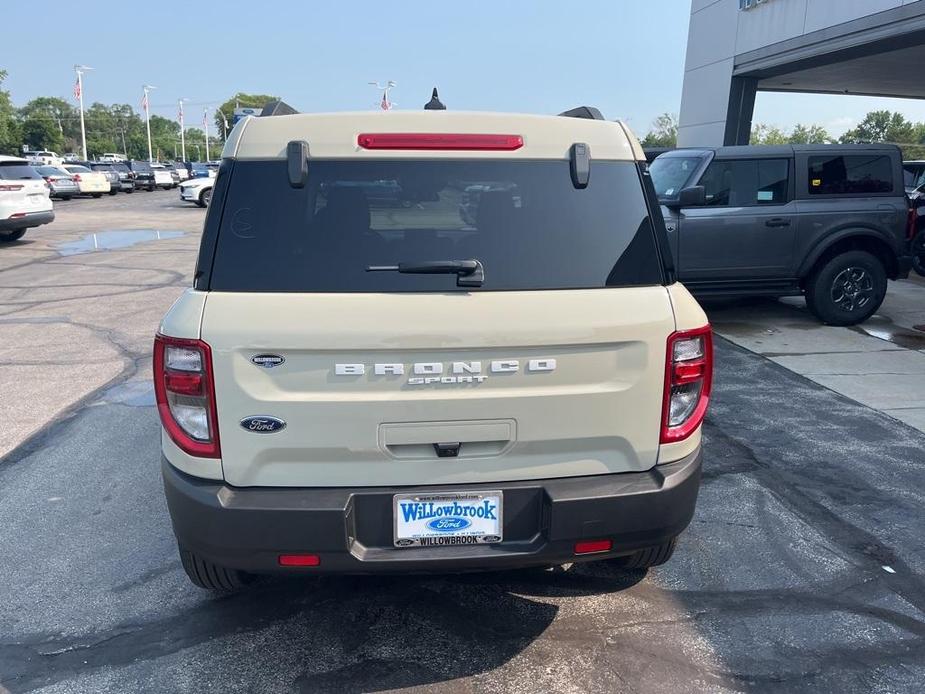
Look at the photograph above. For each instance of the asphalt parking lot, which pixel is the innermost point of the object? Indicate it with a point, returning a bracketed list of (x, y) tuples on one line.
[(803, 570)]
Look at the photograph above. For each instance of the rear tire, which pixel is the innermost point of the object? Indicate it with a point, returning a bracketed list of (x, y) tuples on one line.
[(65, 197), (204, 198), (847, 289), (8, 236), (205, 574), (648, 557), (918, 253), (97, 195), (113, 192), (151, 188)]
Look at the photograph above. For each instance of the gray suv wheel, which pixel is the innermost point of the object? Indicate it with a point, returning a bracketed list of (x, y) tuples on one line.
[(847, 289)]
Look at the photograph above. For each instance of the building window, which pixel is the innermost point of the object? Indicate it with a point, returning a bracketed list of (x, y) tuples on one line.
[(850, 175)]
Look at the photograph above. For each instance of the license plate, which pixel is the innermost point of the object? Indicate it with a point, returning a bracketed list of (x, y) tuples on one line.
[(447, 520), (35, 199)]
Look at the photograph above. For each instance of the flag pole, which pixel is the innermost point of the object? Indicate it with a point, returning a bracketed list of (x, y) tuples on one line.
[(147, 87), (79, 69), (205, 124), (182, 131)]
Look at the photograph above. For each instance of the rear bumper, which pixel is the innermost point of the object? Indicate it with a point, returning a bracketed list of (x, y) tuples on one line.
[(30, 219), (351, 529)]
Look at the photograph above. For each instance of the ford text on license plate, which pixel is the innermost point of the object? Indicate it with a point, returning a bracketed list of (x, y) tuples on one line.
[(447, 520)]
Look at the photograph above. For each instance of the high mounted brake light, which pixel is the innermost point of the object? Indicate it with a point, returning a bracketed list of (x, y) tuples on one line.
[(185, 394), (440, 141), (688, 381)]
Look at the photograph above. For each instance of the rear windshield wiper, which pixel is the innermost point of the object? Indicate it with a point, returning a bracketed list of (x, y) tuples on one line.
[(469, 273)]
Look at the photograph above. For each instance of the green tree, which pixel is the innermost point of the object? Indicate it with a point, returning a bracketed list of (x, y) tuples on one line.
[(664, 132), (10, 137), (41, 131), (882, 126), (64, 115), (195, 145), (768, 135), (240, 100), (809, 135)]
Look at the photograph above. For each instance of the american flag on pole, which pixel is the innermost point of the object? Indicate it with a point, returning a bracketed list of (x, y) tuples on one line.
[(144, 102), (205, 117), (386, 105), (180, 112), (77, 88)]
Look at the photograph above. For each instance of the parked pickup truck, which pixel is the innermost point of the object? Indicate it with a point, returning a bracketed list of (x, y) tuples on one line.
[(829, 222)]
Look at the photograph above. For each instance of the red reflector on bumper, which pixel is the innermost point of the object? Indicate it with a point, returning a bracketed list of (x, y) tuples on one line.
[(299, 560), (592, 546)]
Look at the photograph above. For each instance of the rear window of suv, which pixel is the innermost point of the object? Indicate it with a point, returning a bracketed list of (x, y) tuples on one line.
[(850, 175), (17, 171), (525, 221)]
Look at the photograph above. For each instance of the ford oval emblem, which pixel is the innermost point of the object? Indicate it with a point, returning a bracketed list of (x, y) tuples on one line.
[(448, 524), (267, 361), (263, 424)]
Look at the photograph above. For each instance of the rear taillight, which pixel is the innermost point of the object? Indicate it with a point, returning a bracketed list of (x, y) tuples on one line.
[(440, 141), (185, 393), (688, 379), (10, 187), (76, 178), (911, 221)]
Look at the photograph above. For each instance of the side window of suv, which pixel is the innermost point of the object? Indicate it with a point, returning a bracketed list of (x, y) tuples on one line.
[(746, 182), (850, 174)]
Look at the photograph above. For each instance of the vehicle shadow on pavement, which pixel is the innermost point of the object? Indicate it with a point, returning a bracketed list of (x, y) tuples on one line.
[(373, 633)]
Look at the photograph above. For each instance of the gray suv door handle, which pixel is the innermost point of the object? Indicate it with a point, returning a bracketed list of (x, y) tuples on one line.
[(777, 222)]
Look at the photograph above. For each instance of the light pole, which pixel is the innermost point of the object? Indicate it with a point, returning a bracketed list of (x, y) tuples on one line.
[(144, 103), (79, 88), (182, 129)]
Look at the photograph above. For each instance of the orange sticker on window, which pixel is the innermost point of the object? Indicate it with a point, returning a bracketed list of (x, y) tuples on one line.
[(817, 182)]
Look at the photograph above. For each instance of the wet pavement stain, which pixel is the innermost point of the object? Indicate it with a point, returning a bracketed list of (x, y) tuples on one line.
[(110, 240), (884, 329)]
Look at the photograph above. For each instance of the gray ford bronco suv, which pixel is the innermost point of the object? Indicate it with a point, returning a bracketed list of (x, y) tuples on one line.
[(434, 342), (830, 222)]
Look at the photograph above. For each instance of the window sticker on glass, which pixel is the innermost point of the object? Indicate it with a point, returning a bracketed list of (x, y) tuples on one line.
[(765, 196), (817, 182)]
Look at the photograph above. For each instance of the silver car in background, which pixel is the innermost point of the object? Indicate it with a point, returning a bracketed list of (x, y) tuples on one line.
[(60, 182)]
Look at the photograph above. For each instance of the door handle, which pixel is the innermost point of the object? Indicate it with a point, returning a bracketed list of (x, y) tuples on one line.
[(777, 222)]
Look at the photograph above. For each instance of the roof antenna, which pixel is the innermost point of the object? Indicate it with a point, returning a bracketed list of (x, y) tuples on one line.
[(434, 104)]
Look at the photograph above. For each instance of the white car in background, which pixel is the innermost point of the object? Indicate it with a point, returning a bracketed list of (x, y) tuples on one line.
[(44, 158), (89, 182), (197, 190), (112, 157), (162, 177), (24, 199)]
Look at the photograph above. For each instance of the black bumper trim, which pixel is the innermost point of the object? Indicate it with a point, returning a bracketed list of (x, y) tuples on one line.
[(31, 219), (351, 528)]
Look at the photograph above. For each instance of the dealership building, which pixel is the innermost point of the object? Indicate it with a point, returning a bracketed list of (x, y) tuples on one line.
[(737, 48)]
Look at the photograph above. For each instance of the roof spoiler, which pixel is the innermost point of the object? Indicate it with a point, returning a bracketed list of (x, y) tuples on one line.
[(588, 112)]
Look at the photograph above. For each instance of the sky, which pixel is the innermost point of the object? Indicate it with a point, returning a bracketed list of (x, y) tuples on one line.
[(538, 56)]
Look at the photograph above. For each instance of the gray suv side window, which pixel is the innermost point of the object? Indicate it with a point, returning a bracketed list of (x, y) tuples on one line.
[(746, 182), (850, 174)]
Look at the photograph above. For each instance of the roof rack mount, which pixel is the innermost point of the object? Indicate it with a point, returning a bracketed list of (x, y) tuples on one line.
[(588, 112)]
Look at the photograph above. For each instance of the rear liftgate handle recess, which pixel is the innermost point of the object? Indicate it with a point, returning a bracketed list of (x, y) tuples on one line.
[(447, 450)]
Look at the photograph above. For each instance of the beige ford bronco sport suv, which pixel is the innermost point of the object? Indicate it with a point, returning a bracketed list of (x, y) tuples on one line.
[(430, 341)]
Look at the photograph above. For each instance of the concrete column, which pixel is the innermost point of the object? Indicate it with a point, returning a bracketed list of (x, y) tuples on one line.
[(741, 108)]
